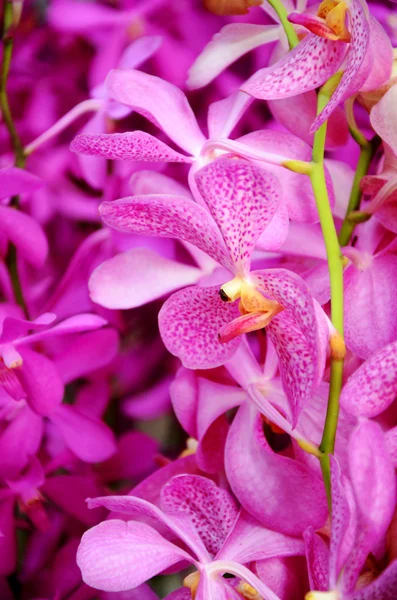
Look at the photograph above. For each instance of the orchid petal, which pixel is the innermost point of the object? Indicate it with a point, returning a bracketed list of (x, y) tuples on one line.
[(381, 49), (137, 277), (224, 115), (249, 540), (159, 101), (180, 525), (293, 497), (116, 556), (167, 216), (317, 556), (14, 181), (232, 42), (305, 68), (373, 387), (41, 382), (135, 145), (243, 199), (353, 76), (88, 438), (384, 120), (211, 509), (383, 588), (26, 234), (189, 323)]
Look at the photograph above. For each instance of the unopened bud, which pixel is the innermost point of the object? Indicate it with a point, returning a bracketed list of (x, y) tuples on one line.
[(230, 7)]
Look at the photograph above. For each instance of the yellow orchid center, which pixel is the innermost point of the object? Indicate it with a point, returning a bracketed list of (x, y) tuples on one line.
[(332, 595), (334, 14), (192, 581), (191, 447), (248, 592), (251, 299)]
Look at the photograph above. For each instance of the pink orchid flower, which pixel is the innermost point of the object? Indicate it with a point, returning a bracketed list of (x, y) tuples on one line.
[(198, 513), (362, 51), (167, 107), (363, 502), (253, 194)]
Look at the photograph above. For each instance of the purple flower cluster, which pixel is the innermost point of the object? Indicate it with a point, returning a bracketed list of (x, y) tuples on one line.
[(198, 316)]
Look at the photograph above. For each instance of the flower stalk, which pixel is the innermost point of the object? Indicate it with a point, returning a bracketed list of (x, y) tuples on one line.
[(20, 158), (282, 13)]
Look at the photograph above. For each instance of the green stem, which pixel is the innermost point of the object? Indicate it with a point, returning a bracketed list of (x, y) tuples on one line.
[(17, 146), (282, 13), (367, 151), (335, 266)]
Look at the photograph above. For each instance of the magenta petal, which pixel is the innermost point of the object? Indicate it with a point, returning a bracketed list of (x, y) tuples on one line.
[(96, 349), (352, 79), (317, 555), (180, 525), (69, 493), (15, 181), (383, 588), (305, 68), (25, 233), (90, 439), (372, 476), (211, 509), (243, 199), (14, 327), (229, 44), (20, 440), (382, 55), (371, 305), (161, 102), (384, 120), (167, 216), (293, 497), (135, 145), (373, 387), (136, 277), (189, 323), (41, 382), (116, 556), (249, 540), (184, 398)]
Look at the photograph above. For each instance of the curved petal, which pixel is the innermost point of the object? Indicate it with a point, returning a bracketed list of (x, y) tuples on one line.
[(381, 49), (280, 492), (189, 323), (305, 68), (137, 277), (383, 588), (224, 115), (354, 75), (159, 101), (384, 119), (180, 525), (232, 42), (41, 381), (118, 555), (25, 233), (249, 540), (88, 438), (373, 387), (167, 216), (371, 306), (134, 145), (212, 510), (243, 199), (14, 181)]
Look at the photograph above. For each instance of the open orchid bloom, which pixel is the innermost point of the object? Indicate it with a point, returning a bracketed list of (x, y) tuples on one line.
[(362, 508), (355, 47), (167, 107), (204, 518)]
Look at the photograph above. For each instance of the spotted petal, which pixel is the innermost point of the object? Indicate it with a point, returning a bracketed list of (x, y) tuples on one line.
[(161, 102), (189, 323), (243, 199), (135, 145), (305, 68), (166, 215)]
